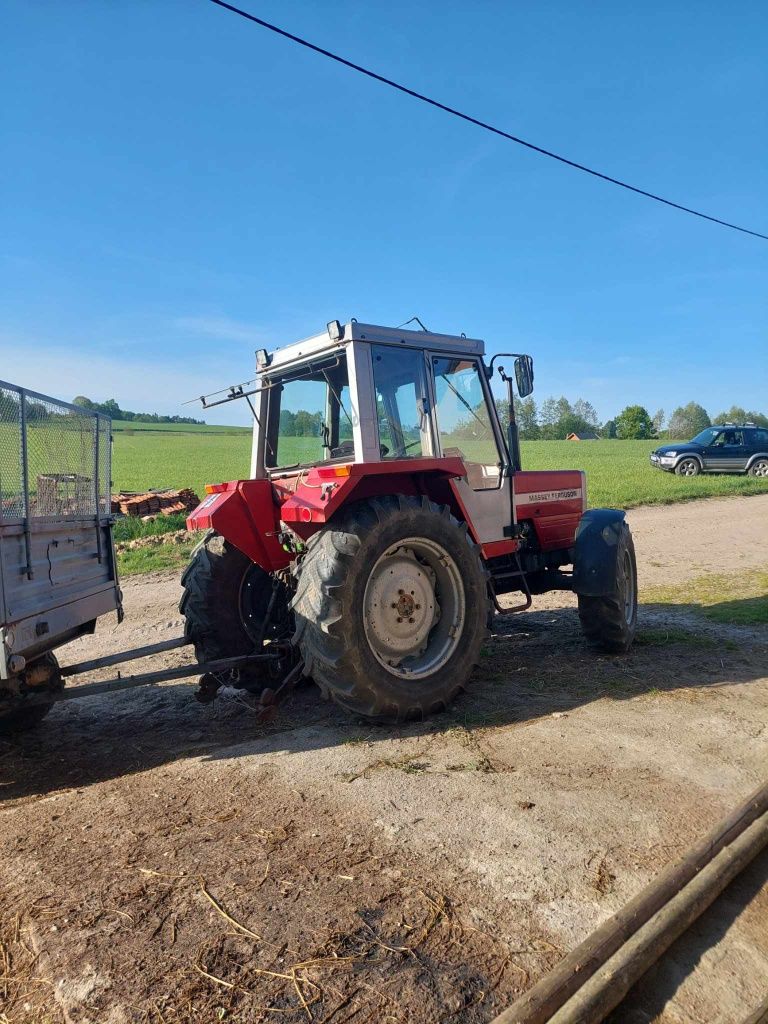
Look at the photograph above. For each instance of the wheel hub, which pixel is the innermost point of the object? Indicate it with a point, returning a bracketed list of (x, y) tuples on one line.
[(401, 605), (413, 607)]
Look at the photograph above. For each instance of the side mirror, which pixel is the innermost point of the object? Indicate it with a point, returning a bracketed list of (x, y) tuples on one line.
[(524, 375)]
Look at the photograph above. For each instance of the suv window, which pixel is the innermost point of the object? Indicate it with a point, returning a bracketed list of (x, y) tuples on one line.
[(759, 438), (729, 439)]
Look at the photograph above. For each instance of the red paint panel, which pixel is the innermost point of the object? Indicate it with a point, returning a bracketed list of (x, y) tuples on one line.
[(247, 514), (554, 501), (499, 547), (314, 498)]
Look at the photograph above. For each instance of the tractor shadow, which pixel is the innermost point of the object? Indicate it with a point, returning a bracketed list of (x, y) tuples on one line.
[(534, 665)]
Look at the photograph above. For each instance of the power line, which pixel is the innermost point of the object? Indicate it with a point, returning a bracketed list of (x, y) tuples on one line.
[(480, 124)]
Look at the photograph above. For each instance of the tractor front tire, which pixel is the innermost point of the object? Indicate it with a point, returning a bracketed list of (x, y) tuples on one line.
[(226, 598), (609, 623), (391, 608)]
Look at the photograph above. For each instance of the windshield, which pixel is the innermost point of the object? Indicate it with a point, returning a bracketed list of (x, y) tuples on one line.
[(309, 417), (706, 436)]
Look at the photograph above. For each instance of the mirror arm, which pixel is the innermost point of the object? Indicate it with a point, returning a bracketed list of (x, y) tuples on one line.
[(513, 435)]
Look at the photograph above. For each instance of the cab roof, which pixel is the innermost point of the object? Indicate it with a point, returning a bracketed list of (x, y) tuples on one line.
[(338, 335)]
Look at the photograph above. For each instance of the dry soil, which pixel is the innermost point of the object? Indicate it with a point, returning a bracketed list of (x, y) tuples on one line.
[(164, 861)]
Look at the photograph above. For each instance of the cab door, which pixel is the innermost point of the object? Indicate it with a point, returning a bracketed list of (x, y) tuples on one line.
[(466, 427)]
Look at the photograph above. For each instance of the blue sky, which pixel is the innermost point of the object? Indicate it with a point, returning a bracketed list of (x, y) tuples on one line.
[(181, 187)]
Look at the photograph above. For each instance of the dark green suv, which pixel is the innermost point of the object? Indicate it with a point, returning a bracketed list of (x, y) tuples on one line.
[(730, 448)]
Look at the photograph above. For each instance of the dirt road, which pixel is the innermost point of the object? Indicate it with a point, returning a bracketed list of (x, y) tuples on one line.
[(164, 861)]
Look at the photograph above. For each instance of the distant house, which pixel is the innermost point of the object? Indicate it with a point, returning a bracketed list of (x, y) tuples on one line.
[(583, 435)]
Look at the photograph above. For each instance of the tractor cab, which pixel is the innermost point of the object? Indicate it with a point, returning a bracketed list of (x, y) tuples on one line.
[(366, 394)]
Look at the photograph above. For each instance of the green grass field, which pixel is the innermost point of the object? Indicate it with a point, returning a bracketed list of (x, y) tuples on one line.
[(618, 472)]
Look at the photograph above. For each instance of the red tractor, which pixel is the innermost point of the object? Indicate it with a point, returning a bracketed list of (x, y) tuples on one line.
[(385, 512)]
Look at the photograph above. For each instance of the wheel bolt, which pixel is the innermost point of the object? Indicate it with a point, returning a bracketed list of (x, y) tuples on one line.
[(418, 606), (411, 620), (394, 604), (401, 591)]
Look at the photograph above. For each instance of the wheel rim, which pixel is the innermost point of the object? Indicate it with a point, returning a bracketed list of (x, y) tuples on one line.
[(414, 608), (761, 468), (688, 468), (630, 597)]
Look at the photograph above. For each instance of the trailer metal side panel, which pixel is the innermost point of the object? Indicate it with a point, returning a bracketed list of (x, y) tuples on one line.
[(57, 563)]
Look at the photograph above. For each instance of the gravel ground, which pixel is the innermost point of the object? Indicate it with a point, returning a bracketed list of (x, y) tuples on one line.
[(164, 861)]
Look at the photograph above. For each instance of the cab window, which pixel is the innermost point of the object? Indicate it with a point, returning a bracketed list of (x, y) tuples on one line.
[(399, 381), (310, 415), (464, 422)]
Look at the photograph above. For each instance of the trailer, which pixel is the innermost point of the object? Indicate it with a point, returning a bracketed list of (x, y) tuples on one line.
[(57, 561)]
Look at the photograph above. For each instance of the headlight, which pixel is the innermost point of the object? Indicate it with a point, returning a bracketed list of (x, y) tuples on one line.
[(670, 455)]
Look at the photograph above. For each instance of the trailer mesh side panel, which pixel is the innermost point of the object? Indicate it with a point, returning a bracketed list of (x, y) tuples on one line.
[(11, 485), (55, 458)]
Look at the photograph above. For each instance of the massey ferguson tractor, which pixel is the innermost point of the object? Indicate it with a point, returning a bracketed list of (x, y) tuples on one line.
[(386, 511)]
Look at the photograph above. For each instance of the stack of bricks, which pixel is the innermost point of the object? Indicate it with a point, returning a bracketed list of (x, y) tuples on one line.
[(164, 503)]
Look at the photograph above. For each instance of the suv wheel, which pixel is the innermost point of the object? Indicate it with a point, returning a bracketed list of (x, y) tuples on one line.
[(759, 468), (688, 467)]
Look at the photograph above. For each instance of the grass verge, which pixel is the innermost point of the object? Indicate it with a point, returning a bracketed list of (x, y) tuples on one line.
[(155, 558), (739, 598), (132, 527)]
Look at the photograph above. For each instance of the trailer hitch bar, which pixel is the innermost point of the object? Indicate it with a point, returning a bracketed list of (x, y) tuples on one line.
[(195, 668)]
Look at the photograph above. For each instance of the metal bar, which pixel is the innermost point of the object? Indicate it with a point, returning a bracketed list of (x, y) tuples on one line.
[(540, 1003), (25, 480), (99, 549), (131, 655), (147, 678), (49, 398)]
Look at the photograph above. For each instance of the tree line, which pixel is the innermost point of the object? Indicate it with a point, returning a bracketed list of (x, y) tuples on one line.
[(112, 409), (556, 418)]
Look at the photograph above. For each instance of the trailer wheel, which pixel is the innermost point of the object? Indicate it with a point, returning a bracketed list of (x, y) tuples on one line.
[(19, 718), (609, 623), (226, 598), (391, 608)]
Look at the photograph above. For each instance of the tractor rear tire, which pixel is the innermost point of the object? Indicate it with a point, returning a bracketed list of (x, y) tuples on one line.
[(392, 607), (225, 600), (21, 718), (609, 623)]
